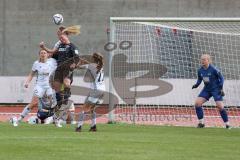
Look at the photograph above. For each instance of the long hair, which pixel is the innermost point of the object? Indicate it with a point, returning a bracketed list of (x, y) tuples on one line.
[(98, 59), (75, 30)]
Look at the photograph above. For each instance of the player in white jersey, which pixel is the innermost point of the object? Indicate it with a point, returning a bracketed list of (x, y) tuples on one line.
[(96, 75), (42, 69)]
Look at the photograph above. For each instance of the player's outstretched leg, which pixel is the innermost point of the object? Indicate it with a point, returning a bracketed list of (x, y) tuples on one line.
[(25, 111), (15, 121)]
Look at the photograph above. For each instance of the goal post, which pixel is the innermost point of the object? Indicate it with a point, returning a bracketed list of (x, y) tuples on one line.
[(111, 88), (154, 63)]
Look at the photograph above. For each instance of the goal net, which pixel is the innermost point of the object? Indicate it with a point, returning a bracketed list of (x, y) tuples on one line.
[(154, 64)]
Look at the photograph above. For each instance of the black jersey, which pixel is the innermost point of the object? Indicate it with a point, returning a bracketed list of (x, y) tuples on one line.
[(55, 56), (67, 54)]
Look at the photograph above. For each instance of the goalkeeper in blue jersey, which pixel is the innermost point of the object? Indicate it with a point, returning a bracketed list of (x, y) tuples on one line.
[(213, 87)]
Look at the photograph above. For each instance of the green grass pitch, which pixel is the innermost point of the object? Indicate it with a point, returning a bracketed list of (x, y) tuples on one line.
[(118, 142)]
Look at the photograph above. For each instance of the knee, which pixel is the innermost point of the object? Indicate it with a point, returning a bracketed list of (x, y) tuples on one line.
[(57, 86), (220, 106), (198, 103), (67, 83)]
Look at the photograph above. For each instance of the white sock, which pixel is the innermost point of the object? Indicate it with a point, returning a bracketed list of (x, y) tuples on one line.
[(94, 119), (81, 119), (24, 113), (201, 121), (64, 115), (72, 114), (227, 123)]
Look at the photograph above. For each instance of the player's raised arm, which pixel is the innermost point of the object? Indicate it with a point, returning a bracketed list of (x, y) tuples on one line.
[(81, 63), (55, 48), (51, 51)]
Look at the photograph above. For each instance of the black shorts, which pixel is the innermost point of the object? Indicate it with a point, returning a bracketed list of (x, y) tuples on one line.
[(61, 73), (71, 77)]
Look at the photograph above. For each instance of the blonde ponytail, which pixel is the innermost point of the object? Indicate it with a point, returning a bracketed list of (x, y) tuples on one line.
[(75, 30)]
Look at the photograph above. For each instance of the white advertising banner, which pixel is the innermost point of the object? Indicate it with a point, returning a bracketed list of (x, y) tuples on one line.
[(12, 91)]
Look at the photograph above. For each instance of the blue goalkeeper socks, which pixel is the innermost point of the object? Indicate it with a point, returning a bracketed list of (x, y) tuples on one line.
[(199, 112), (224, 115)]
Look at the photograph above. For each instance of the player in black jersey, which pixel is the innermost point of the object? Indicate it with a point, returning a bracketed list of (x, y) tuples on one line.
[(66, 55), (67, 60), (66, 31)]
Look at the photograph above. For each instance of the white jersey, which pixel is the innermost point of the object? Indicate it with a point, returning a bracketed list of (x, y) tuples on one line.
[(53, 64), (43, 71), (97, 79)]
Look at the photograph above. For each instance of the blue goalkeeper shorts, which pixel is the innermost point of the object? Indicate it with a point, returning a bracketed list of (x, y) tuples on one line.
[(216, 94)]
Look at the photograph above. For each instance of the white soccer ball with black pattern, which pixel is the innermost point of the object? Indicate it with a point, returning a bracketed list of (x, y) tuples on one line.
[(58, 19), (33, 120)]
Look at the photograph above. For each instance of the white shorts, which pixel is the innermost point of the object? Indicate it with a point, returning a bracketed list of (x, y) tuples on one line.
[(39, 91), (95, 97)]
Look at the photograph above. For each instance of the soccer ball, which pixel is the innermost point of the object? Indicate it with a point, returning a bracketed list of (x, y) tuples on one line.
[(33, 120), (57, 19)]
